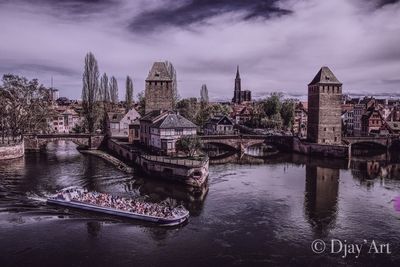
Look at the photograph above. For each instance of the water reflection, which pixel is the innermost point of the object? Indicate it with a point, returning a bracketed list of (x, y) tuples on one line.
[(93, 228), (322, 186)]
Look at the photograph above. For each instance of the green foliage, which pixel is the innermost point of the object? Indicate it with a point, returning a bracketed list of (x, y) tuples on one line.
[(129, 93), (188, 108), (273, 112), (188, 144), (90, 93), (210, 110), (142, 103), (24, 106), (287, 112), (272, 105)]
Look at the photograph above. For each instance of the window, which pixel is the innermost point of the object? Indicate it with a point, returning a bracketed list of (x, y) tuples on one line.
[(323, 140), (324, 130), (333, 128)]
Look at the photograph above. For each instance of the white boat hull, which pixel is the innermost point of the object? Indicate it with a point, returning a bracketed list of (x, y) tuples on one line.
[(119, 213)]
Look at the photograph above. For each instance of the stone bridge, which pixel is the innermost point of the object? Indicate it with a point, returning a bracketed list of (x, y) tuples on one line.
[(382, 141), (35, 142), (241, 142)]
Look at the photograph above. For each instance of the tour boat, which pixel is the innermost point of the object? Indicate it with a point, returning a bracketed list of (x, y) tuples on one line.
[(65, 198)]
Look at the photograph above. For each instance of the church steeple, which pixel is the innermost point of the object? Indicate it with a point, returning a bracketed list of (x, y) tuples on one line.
[(237, 91), (237, 72)]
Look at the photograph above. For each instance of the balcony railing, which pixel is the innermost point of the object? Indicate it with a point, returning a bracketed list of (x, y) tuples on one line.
[(177, 161)]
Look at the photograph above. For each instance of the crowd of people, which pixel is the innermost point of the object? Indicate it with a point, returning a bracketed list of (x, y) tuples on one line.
[(120, 203)]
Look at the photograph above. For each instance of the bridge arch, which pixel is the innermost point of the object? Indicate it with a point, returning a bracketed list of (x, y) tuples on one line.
[(38, 142)]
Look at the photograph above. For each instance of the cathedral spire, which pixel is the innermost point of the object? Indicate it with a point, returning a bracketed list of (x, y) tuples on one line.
[(237, 72)]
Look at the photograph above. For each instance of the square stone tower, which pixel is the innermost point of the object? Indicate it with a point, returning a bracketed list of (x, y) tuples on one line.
[(324, 124), (161, 87)]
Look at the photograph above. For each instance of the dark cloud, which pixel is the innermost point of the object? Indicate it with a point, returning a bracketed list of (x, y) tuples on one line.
[(198, 11), (381, 3), (63, 7)]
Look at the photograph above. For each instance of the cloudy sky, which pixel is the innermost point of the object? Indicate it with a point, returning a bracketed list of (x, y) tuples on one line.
[(279, 44)]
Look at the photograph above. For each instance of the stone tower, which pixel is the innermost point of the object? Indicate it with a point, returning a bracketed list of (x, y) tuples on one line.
[(161, 87), (237, 92), (324, 124)]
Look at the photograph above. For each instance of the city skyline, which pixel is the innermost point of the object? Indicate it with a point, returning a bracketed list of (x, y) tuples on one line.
[(206, 40)]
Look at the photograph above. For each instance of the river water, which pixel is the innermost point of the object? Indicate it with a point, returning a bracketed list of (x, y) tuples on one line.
[(253, 213)]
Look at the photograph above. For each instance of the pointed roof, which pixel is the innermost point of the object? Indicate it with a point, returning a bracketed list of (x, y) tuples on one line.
[(173, 120), (325, 76), (237, 72), (159, 72)]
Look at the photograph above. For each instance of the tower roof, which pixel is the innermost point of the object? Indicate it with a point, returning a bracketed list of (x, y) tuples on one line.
[(237, 72), (325, 76), (159, 72)]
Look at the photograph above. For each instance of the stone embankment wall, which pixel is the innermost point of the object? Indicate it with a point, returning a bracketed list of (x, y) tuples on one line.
[(12, 151), (185, 171), (313, 149)]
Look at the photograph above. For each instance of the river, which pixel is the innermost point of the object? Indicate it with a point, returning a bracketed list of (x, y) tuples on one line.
[(253, 213)]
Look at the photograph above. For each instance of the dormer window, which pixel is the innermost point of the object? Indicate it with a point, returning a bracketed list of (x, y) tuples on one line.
[(157, 75)]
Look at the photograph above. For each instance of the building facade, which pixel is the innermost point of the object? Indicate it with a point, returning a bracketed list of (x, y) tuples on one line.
[(221, 125), (118, 122), (160, 130), (324, 125), (161, 87)]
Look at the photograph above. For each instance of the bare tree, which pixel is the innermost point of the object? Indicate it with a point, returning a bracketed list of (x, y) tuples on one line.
[(129, 93), (90, 92), (114, 90)]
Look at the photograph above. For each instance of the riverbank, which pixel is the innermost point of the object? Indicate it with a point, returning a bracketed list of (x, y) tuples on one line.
[(109, 158), (12, 150)]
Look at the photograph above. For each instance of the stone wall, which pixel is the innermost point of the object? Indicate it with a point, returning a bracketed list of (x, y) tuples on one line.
[(12, 151), (324, 114), (322, 150), (160, 95)]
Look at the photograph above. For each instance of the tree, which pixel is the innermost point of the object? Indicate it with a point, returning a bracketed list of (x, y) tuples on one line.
[(90, 92), (114, 90), (129, 93), (287, 112), (104, 89), (272, 105), (208, 111), (24, 106), (204, 94), (188, 144), (142, 103), (188, 108)]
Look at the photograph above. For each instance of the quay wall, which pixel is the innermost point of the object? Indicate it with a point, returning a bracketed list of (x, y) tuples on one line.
[(322, 150), (12, 151), (189, 172)]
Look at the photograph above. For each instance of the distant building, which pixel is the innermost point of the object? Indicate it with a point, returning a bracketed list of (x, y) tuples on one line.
[(219, 125), (54, 94), (161, 130), (347, 119), (359, 109), (134, 131), (242, 113), (118, 122), (239, 95), (300, 119), (371, 122), (161, 87), (64, 120), (324, 108)]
